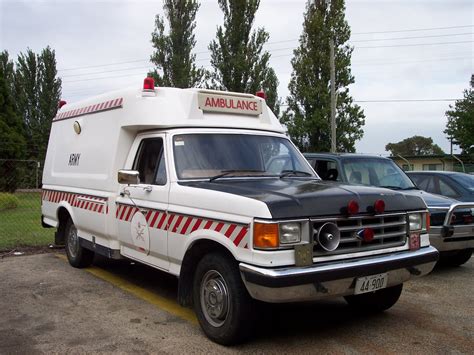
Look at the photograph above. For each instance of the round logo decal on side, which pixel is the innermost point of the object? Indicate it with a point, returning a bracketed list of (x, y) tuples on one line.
[(139, 232)]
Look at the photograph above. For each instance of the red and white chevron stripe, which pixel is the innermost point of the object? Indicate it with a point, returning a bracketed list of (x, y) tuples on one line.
[(87, 202), (185, 225), (101, 106)]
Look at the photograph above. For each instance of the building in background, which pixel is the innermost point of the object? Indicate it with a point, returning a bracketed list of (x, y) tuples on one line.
[(444, 162)]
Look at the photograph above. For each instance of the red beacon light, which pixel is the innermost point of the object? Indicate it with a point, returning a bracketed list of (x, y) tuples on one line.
[(352, 207), (261, 94), (379, 206), (148, 84), (61, 103)]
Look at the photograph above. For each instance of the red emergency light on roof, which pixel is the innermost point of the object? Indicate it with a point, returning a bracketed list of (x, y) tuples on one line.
[(61, 103), (148, 83), (261, 94)]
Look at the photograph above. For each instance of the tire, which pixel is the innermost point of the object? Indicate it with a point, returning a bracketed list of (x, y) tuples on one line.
[(77, 255), (224, 309), (377, 301), (456, 259)]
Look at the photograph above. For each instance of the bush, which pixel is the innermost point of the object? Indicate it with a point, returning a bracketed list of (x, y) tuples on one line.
[(8, 201)]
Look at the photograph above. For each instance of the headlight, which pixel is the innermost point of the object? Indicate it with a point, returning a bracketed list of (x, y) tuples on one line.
[(290, 233), (415, 221)]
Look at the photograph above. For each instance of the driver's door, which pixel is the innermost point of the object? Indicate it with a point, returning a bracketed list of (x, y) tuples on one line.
[(141, 211)]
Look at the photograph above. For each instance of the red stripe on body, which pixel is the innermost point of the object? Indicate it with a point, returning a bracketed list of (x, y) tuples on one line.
[(124, 208), (186, 225), (229, 230), (176, 225), (155, 217), (196, 225), (162, 220), (208, 225), (219, 227), (240, 236), (170, 220)]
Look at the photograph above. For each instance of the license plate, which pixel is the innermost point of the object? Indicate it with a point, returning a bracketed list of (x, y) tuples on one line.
[(370, 283)]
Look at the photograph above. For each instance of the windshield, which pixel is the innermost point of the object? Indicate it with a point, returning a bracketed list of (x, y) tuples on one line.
[(376, 172), (467, 181), (199, 156)]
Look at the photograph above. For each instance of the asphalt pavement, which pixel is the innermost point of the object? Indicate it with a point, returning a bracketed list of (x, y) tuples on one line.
[(46, 306)]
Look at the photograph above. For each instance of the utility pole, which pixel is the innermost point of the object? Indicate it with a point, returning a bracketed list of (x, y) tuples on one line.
[(333, 84), (333, 95)]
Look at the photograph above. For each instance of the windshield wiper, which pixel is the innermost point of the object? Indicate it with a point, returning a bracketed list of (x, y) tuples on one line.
[(286, 173), (230, 172), (410, 188)]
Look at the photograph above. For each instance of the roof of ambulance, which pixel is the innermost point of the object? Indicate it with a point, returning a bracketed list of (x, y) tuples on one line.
[(138, 109)]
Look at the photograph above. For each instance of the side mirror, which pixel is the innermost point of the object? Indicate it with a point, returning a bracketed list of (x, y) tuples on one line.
[(129, 177)]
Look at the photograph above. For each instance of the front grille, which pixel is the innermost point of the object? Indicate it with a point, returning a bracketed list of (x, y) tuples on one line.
[(390, 231)]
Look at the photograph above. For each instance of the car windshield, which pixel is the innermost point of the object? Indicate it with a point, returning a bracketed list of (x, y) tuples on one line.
[(376, 172), (467, 181), (212, 156)]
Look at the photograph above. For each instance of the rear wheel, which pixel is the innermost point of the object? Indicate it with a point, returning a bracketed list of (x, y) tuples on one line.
[(456, 259), (77, 255), (377, 301), (222, 304)]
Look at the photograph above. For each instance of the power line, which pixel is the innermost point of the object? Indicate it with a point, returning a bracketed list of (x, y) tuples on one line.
[(283, 41), (415, 45), (400, 100)]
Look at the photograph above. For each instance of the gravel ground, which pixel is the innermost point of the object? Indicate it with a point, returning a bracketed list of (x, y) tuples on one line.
[(49, 307)]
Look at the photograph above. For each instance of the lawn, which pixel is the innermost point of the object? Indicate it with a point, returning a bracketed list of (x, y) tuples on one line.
[(22, 226)]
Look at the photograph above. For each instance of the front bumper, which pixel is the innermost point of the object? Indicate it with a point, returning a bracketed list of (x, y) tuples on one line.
[(450, 237), (294, 284)]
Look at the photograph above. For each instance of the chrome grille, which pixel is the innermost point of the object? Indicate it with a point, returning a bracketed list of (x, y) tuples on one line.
[(390, 231)]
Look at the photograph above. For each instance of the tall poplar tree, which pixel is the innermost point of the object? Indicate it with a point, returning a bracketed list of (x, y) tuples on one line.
[(39, 91), (237, 56), (309, 104), (175, 64)]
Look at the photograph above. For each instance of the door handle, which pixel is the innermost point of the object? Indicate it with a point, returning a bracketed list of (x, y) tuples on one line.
[(148, 188)]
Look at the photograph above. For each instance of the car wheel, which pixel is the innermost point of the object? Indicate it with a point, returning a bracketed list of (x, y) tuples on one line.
[(222, 304), (77, 255), (377, 301), (456, 259)]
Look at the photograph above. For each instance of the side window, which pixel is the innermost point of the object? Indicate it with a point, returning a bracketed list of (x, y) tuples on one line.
[(150, 162), (425, 183), (446, 190), (327, 170)]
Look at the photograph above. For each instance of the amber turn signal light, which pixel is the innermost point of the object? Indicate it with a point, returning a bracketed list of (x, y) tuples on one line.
[(265, 235)]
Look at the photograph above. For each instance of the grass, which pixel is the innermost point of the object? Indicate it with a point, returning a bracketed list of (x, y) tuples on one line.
[(21, 226)]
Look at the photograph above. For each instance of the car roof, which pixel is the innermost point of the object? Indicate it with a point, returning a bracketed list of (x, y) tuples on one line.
[(344, 155), (433, 172)]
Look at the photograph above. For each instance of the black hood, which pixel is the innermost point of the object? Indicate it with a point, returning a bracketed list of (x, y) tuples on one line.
[(295, 198)]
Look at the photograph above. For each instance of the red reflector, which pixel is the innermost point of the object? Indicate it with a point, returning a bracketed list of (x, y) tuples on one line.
[(261, 94), (414, 242), (368, 234), (61, 103), (148, 84), (352, 207), (379, 206)]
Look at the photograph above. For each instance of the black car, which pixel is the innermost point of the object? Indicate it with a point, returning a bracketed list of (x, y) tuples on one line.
[(456, 185), (452, 227)]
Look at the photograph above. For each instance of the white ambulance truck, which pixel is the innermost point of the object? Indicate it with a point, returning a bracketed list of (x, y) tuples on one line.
[(205, 185)]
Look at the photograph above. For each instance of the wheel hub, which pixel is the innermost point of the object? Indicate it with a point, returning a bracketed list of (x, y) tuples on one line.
[(214, 298), (72, 241)]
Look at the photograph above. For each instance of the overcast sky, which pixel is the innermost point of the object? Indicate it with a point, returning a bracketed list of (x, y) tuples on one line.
[(404, 50)]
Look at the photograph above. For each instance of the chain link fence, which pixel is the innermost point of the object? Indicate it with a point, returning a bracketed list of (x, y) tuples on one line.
[(20, 206)]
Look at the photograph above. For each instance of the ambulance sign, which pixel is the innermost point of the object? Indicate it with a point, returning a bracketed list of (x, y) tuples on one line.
[(243, 105)]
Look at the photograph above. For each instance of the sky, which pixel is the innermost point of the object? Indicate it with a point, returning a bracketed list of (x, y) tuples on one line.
[(403, 50)]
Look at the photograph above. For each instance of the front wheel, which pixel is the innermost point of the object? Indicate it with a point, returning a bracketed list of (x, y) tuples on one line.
[(377, 301), (457, 258), (77, 255), (222, 304)]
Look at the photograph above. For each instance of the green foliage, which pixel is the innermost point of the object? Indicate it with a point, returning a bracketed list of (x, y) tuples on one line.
[(8, 201), (416, 145), (38, 92), (237, 56), (21, 226), (460, 126), (173, 50), (309, 104), (12, 142)]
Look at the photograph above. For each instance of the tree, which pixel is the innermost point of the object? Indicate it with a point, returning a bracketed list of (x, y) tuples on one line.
[(416, 145), (460, 126), (309, 104), (39, 91), (173, 50), (240, 64), (12, 143)]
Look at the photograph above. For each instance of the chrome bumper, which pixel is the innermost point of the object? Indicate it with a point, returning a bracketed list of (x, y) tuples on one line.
[(453, 237), (294, 284)]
